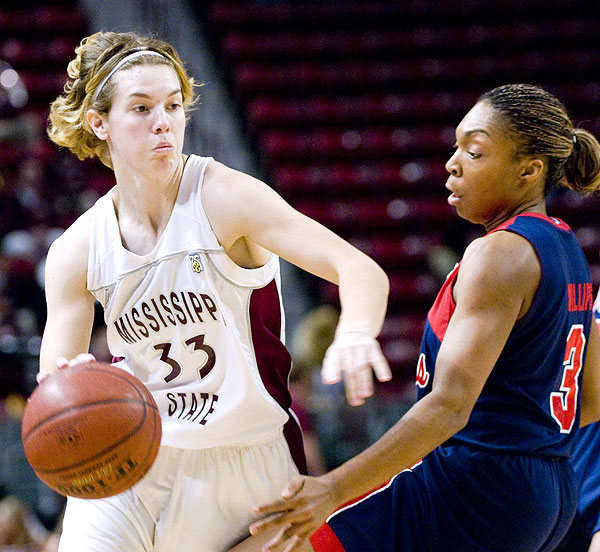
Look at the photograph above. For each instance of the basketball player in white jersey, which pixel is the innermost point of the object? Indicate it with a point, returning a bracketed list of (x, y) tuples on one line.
[(183, 256)]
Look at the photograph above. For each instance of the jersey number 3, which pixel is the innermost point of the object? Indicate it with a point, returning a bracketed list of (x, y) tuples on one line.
[(563, 403), (197, 344)]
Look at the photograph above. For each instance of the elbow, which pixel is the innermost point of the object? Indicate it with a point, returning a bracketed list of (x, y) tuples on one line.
[(380, 278), (458, 407), (453, 413), (372, 276), (385, 280), (458, 417)]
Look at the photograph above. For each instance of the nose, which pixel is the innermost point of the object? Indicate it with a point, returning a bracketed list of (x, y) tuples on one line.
[(161, 122), (452, 165)]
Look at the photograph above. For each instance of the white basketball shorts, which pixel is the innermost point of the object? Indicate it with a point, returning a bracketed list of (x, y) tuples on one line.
[(189, 501)]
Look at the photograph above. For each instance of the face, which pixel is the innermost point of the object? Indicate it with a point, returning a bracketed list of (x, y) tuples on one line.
[(486, 178), (145, 126)]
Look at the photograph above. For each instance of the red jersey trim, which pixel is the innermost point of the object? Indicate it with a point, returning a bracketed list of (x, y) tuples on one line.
[(558, 223), (325, 540), (443, 307)]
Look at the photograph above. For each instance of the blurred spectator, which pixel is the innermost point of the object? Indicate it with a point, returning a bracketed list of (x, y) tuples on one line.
[(19, 528), (312, 337), (42, 191), (333, 431), (17, 478)]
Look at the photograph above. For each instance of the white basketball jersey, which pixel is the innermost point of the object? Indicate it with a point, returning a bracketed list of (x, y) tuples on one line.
[(204, 335)]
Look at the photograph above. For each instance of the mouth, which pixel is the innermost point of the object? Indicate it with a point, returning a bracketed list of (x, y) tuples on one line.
[(163, 147), (453, 199)]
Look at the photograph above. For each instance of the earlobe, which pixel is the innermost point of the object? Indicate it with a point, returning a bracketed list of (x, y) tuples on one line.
[(96, 122)]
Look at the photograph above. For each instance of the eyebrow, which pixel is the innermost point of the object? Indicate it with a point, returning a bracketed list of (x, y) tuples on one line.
[(476, 131), (142, 95)]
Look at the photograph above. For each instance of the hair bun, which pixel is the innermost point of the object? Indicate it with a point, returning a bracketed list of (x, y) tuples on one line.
[(582, 168)]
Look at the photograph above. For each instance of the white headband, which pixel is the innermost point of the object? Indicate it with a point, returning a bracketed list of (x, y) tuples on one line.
[(118, 66)]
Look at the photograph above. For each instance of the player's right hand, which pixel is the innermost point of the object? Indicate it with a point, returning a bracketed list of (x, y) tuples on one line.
[(355, 356), (62, 363), (304, 505)]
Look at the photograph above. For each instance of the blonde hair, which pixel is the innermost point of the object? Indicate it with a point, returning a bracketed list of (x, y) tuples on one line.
[(90, 86)]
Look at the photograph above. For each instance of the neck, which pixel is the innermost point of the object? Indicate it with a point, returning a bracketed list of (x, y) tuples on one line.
[(149, 198), (536, 206)]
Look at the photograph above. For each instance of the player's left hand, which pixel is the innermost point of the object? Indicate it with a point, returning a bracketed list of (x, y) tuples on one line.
[(305, 504), (63, 362), (355, 356)]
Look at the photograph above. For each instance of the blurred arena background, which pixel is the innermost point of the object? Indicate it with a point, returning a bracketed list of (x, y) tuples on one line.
[(346, 108)]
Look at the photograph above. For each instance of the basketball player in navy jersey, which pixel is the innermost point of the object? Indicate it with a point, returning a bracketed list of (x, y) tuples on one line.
[(501, 380)]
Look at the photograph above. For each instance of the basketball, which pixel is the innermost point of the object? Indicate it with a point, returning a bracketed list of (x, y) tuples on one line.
[(91, 430)]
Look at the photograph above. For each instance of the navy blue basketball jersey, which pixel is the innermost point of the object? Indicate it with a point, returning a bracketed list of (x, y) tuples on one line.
[(530, 402)]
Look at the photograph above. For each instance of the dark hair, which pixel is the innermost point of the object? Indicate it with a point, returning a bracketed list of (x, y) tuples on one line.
[(542, 127)]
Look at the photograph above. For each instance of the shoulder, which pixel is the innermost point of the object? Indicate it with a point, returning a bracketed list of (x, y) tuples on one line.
[(69, 252), (503, 250), (226, 184), (233, 197), (500, 260)]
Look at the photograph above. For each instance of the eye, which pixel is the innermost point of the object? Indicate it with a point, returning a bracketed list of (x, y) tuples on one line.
[(174, 106), (140, 108), (474, 155)]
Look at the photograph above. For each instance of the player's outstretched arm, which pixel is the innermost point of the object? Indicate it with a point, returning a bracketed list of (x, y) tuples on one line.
[(243, 210)]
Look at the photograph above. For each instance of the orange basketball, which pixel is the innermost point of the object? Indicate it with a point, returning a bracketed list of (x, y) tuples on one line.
[(91, 430)]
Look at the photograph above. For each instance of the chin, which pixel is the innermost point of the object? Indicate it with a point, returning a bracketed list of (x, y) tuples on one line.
[(164, 160), (469, 217), (460, 212)]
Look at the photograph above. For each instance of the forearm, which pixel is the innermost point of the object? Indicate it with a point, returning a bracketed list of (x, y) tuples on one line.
[(428, 424), (363, 289)]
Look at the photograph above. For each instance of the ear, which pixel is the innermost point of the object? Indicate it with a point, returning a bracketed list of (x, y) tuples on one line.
[(97, 124), (531, 170)]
